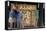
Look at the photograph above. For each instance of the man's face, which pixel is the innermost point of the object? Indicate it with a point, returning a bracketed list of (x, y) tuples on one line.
[(13, 7)]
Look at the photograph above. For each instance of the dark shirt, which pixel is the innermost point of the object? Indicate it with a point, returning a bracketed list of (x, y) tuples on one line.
[(17, 15)]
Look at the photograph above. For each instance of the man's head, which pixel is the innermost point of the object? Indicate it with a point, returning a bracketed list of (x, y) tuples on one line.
[(14, 7)]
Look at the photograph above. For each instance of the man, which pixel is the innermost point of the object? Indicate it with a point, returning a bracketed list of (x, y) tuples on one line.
[(12, 17), (16, 14)]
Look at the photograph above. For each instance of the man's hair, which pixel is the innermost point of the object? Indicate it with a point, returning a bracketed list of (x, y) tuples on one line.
[(13, 4)]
